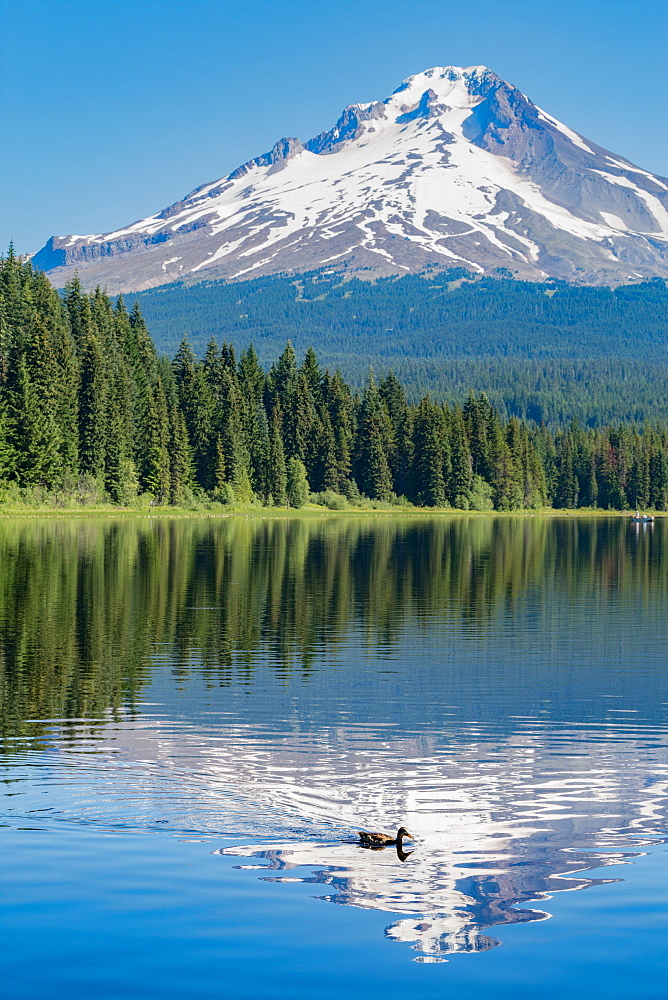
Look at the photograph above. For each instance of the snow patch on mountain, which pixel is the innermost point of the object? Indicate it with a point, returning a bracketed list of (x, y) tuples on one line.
[(456, 167)]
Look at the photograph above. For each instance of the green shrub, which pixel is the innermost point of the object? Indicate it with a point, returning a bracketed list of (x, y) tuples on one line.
[(480, 497), (298, 489), (331, 500), (224, 494)]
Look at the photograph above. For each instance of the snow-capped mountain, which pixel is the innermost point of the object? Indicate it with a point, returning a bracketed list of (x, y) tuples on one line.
[(456, 169)]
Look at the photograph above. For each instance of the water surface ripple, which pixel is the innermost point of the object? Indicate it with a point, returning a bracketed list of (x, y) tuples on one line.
[(269, 686)]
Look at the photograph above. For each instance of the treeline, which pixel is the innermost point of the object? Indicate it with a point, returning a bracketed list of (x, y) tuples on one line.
[(85, 399), (555, 391), (544, 351), (446, 316)]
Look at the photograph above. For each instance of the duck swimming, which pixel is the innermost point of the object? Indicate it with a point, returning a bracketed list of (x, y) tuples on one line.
[(383, 839)]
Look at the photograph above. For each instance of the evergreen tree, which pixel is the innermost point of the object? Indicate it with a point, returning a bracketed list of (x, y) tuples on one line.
[(372, 470), (612, 471), (658, 466), (242, 486), (200, 420), (394, 400), (251, 377), (74, 301), (297, 483), (233, 438), (505, 478), (212, 363), (220, 470), (68, 399), (156, 472), (118, 478), (428, 447), (180, 457), (340, 412), (324, 473), (92, 400), (313, 376), (461, 480), (277, 474), (6, 450), (11, 280), (568, 488), (638, 489), (477, 417), (37, 433), (256, 430)]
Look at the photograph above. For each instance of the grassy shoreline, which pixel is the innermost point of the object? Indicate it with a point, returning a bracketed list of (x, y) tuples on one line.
[(309, 510)]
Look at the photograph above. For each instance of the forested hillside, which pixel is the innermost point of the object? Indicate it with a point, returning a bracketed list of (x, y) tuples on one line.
[(547, 352), (87, 407)]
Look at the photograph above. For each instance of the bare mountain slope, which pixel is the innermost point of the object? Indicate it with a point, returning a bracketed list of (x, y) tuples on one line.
[(456, 168)]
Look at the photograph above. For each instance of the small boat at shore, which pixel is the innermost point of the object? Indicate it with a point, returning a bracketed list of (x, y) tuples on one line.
[(642, 518)]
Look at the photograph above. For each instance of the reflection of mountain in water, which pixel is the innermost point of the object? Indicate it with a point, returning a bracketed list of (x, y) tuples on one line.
[(501, 821), (496, 685), (499, 825)]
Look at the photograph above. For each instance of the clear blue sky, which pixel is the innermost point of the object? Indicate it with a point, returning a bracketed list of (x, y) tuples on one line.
[(113, 109)]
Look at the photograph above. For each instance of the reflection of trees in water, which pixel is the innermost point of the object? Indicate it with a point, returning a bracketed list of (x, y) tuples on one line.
[(83, 603)]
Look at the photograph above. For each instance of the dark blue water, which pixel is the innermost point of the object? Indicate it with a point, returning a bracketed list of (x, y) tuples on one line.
[(197, 716)]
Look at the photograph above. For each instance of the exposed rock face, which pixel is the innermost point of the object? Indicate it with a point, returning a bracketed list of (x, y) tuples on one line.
[(456, 168), (283, 150), (349, 127)]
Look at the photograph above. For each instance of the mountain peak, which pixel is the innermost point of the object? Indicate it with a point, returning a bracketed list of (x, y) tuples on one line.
[(456, 168), (451, 80), (451, 73)]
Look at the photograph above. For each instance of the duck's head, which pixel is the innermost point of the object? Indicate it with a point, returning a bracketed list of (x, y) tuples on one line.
[(403, 832)]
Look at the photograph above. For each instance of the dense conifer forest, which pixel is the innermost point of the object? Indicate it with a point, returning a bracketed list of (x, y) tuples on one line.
[(88, 408), (548, 352)]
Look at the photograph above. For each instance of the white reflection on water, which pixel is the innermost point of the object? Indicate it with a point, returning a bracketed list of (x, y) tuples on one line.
[(499, 821)]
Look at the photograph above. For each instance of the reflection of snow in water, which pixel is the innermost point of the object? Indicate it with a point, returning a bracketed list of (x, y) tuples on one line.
[(447, 907), (499, 821), (491, 835)]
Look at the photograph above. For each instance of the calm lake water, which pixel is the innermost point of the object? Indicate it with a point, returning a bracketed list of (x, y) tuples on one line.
[(196, 715)]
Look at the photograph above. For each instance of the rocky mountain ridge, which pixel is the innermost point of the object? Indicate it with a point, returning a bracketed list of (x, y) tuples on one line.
[(457, 168)]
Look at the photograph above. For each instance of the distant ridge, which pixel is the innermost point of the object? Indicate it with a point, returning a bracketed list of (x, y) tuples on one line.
[(457, 168)]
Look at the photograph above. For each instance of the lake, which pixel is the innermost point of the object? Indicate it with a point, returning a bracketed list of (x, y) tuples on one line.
[(196, 715)]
